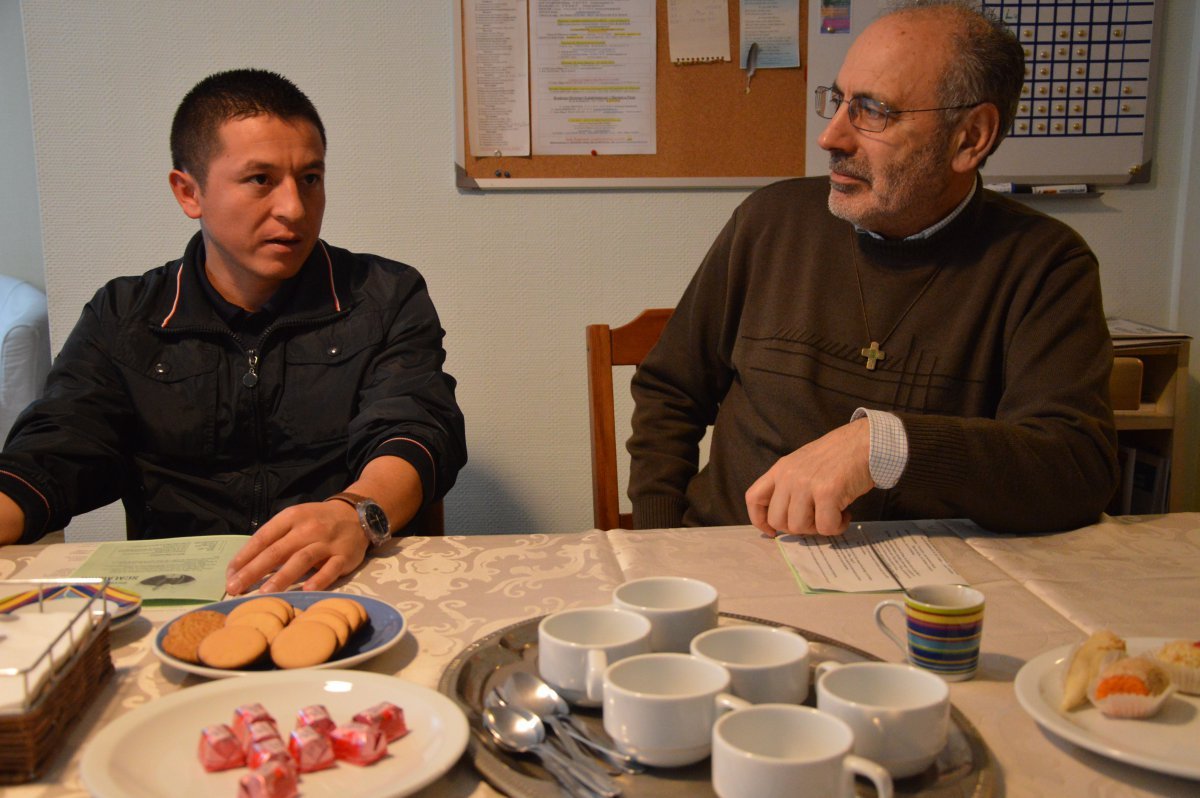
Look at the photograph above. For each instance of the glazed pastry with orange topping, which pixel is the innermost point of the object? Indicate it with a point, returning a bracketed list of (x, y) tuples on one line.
[(1132, 687)]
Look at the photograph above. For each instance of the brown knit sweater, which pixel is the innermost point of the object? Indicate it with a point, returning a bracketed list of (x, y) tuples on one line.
[(999, 372)]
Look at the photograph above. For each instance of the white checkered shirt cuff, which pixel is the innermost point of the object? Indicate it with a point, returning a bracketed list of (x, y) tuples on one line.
[(889, 446)]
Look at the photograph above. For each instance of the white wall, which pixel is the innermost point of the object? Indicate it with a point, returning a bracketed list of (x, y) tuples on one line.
[(515, 276), (20, 233)]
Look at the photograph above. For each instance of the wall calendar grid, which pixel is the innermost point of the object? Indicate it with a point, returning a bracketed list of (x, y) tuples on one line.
[(1087, 65)]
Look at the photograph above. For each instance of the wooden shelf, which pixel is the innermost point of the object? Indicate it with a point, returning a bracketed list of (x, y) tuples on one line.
[(1160, 422)]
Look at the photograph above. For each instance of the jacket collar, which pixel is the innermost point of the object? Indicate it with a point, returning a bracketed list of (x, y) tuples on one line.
[(185, 305)]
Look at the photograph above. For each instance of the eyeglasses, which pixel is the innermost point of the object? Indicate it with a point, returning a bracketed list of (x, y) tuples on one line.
[(866, 114)]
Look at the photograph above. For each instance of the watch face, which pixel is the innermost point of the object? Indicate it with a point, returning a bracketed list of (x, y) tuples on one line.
[(375, 519)]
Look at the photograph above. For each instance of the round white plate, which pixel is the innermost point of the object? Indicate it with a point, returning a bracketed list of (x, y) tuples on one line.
[(1166, 742), (151, 752), (384, 629)]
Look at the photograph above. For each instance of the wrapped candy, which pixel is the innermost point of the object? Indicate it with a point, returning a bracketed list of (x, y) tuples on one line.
[(310, 749), (385, 716), (219, 749), (358, 743), (317, 717), (247, 714), (271, 749), (271, 780), (259, 730)]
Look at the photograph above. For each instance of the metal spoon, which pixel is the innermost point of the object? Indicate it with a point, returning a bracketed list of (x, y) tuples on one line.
[(528, 691), (522, 731)]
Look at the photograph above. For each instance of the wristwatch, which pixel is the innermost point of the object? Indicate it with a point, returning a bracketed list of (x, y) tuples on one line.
[(370, 515)]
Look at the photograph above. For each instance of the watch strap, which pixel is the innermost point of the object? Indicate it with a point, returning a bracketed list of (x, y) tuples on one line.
[(358, 502)]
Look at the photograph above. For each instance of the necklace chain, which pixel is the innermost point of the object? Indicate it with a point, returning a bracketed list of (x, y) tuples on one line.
[(874, 353)]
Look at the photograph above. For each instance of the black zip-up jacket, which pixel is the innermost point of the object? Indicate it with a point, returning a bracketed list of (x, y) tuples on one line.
[(154, 400)]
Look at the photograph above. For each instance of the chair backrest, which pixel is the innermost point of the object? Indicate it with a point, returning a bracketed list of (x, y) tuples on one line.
[(607, 347)]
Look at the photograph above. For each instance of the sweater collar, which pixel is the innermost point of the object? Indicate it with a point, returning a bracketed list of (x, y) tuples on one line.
[(962, 219), (312, 293)]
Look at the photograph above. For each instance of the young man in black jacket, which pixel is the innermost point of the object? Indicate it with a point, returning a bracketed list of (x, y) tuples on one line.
[(266, 382)]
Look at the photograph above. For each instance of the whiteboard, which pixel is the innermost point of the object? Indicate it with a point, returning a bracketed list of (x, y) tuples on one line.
[(1085, 111)]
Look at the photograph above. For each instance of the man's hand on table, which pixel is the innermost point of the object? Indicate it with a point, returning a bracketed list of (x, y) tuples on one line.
[(807, 492), (322, 536)]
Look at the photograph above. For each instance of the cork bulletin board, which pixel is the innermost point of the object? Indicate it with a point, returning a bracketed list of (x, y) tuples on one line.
[(711, 132)]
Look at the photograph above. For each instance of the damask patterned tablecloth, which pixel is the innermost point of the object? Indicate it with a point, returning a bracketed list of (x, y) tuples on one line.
[(1136, 575), (455, 590)]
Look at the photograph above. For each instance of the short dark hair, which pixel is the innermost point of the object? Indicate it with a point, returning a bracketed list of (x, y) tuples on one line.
[(988, 65), (234, 94)]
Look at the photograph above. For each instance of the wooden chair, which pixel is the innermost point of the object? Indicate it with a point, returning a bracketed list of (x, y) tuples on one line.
[(608, 347)]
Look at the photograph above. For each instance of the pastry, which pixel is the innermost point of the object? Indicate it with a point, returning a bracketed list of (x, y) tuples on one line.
[(183, 638), (265, 622), (355, 613), (232, 647), (1181, 660), (1131, 687), (1086, 663), (270, 604), (332, 619), (303, 644)]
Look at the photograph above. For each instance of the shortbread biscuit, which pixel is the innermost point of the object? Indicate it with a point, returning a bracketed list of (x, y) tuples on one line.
[(233, 647), (353, 612), (333, 620), (272, 604), (265, 622), (185, 633), (303, 644)]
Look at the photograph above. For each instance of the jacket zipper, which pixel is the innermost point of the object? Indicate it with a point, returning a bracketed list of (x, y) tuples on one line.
[(250, 380)]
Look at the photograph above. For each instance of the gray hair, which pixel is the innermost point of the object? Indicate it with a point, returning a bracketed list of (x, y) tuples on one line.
[(988, 65)]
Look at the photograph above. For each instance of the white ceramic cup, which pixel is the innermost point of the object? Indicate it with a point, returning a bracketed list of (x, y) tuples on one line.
[(767, 665), (900, 714), (788, 751), (575, 645), (677, 607), (660, 708)]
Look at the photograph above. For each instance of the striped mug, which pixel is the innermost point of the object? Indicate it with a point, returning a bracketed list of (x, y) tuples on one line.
[(944, 625)]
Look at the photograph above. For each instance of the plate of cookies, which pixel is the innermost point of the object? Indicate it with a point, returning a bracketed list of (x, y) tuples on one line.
[(279, 631), (1110, 696)]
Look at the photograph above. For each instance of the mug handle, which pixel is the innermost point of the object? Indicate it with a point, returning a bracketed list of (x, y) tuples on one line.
[(883, 627), (824, 667), (727, 702), (597, 663), (871, 772)]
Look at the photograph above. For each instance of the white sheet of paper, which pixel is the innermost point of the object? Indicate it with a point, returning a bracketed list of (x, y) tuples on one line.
[(57, 561), (698, 30), (848, 563), (496, 54), (593, 77), (775, 25)]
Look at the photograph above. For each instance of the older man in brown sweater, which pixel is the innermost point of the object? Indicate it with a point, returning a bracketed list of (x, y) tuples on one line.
[(892, 341)]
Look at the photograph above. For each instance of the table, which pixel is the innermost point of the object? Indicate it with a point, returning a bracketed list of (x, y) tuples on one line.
[(1138, 576)]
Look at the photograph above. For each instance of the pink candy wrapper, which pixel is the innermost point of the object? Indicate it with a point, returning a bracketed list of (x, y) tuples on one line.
[(386, 717), (271, 780), (271, 749), (317, 717), (358, 743), (310, 749), (219, 749), (260, 730), (247, 714)]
